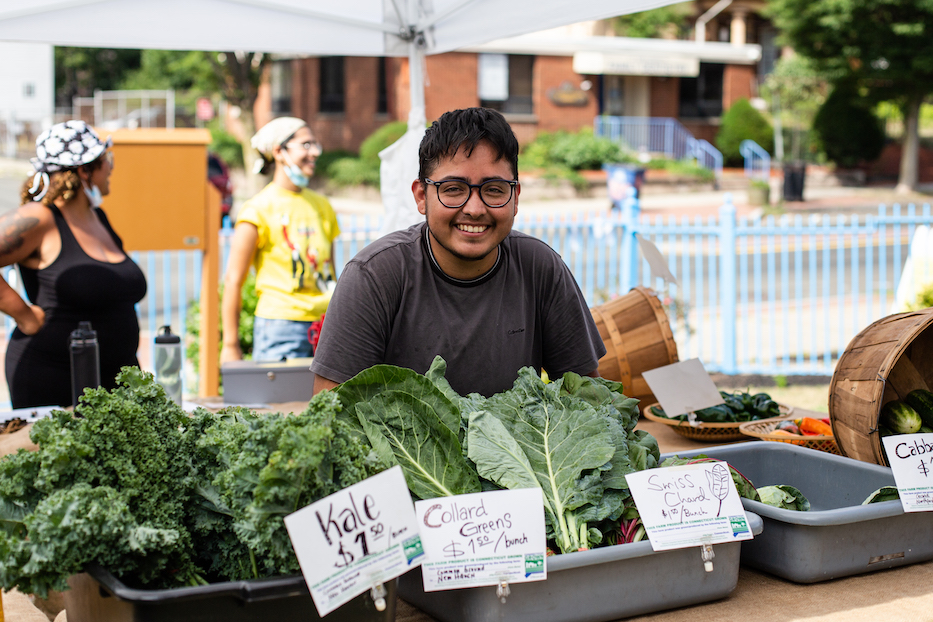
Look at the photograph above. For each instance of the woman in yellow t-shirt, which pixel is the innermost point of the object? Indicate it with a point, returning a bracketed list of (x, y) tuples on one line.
[(286, 232)]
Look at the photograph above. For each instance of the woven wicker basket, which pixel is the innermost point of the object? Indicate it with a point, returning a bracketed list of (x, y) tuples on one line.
[(764, 430), (711, 432)]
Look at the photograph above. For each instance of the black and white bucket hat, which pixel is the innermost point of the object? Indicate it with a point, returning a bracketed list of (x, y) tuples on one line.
[(67, 145), (64, 145)]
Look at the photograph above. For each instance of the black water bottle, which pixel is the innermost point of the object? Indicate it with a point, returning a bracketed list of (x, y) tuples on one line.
[(85, 360)]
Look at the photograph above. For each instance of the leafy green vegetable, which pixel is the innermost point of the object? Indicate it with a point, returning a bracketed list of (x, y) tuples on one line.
[(784, 496), (573, 438), (162, 498), (554, 441), (736, 407), (885, 493)]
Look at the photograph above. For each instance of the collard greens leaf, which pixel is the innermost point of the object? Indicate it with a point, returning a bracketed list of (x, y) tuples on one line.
[(564, 441), (370, 382), (424, 446)]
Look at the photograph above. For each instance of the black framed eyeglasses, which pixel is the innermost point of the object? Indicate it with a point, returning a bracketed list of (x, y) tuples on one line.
[(454, 193)]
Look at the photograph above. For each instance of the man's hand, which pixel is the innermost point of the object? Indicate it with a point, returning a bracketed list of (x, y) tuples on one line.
[(32, 321)]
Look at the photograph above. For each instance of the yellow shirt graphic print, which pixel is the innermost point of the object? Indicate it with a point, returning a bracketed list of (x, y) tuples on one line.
[(294, 269)]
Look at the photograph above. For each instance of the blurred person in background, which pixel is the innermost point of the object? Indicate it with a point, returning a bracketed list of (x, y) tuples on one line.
[(73, 269), (286, 233)]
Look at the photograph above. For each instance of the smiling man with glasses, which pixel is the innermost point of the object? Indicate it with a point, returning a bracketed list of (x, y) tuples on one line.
[(462, 285)]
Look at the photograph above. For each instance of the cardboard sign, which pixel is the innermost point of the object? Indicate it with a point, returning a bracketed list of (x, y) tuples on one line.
[(689, 505), (911, 459), (683, 387), (483, 538), (355, 538)]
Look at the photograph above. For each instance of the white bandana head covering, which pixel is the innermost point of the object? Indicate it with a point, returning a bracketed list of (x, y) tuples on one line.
[(67, 145), (275, 133)]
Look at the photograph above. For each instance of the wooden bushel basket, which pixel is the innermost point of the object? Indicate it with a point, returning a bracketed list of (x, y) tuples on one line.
[(638, 338), (884, 362)]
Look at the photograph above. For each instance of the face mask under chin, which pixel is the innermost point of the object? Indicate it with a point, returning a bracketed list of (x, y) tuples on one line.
[(94, 197), (295, 175)]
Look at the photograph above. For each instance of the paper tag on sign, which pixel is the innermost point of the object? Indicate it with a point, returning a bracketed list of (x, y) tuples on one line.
[(483, 538), (689, 505), (361, 536), (683, 387), (911, 460)]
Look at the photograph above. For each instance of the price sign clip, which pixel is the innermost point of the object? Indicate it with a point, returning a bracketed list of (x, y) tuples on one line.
[(706, 552), (378, 594), (503, 591)]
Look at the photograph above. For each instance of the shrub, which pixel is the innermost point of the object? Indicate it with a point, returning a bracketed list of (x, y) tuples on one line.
[(742, 122), (577, 151), (224, 144), (247, 313), (354, 172), (380, 139), (847, 130)]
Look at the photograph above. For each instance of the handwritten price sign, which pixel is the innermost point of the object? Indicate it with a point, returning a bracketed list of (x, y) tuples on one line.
[(689, 505), (482, 539), (358, 537), (911, 459)]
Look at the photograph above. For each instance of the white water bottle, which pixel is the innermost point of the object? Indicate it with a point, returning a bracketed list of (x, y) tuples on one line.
[(168, 362)]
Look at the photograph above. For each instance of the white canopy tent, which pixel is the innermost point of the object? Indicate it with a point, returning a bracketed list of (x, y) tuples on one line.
[(412, 28)]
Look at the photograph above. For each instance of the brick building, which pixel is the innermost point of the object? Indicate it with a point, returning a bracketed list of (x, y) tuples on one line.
[(547, 81)]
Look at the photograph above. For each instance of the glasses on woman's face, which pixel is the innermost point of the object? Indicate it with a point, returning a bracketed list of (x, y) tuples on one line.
[(311, 146), (455, 193)]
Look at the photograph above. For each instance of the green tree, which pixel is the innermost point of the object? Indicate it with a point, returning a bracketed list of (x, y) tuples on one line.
[(795, 90), (81, 71), (235, 75), (664, 22), (842, 111), (885, 47)]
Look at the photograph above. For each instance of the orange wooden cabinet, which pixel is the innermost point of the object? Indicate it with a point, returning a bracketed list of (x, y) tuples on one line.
[(160, 199)]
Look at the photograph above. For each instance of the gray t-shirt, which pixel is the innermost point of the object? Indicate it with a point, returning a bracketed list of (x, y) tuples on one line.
[(394, 305)]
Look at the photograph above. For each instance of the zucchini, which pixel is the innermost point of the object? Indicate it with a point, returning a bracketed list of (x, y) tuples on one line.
[(921, 400), (900, 418)]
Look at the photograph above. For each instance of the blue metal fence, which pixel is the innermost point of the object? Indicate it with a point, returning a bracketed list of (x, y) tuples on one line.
[(753, 295)]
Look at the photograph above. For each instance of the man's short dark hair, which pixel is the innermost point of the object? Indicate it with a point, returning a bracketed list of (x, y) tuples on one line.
[(465, 129)]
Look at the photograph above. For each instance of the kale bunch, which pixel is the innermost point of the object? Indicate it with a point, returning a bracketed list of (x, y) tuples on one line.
[(109, 486), (163, 498), (262, 467)]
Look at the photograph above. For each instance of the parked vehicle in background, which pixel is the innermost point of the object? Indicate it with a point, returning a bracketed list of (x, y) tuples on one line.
[(218, 173)]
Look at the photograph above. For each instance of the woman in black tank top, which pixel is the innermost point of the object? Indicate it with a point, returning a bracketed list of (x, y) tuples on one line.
[(73, 268)]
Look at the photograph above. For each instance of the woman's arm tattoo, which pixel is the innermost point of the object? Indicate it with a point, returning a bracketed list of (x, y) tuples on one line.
[(12, 228)]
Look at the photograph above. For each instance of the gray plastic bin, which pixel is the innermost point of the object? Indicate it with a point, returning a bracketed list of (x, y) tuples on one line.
[(838, 537), (592, 586)]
